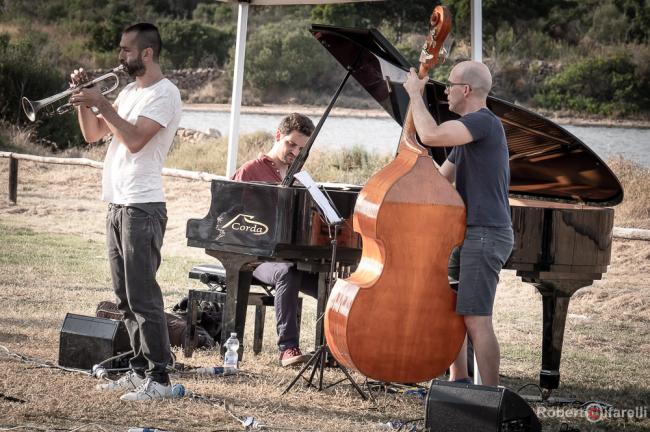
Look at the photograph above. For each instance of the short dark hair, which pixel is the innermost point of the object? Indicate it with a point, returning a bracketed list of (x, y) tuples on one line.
[(296, 122), (146, 36)]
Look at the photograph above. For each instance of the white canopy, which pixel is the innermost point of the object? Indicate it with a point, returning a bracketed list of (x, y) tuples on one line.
[(476, 37), (240, 52)]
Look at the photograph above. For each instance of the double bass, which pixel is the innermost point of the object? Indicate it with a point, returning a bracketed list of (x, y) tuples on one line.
[(394, 318)]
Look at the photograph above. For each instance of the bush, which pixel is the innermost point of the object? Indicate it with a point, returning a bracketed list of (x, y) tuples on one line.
[(410, 47), (528, 44), (223, 15), (188, 44), (105, 33), (609, 25), (611, 85), (282, 59), (25, 71)]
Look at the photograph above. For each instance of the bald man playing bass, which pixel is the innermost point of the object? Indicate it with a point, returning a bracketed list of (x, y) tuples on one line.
[(479, 165)]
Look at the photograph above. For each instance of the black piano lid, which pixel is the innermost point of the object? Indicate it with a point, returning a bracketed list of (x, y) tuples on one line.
[(546, 161)]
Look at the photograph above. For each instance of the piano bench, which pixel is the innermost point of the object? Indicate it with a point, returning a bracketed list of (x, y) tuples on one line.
[(214, 276)]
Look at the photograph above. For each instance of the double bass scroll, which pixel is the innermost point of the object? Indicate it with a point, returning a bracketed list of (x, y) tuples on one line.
[(394, 318)]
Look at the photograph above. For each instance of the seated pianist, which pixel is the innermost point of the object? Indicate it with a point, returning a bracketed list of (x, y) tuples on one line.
[(291, 136)]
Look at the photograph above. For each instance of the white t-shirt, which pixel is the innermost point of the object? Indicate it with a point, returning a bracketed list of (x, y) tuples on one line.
[(137, 178)]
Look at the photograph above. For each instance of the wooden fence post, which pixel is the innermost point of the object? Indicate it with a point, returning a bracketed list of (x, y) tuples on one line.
[(13, 180)]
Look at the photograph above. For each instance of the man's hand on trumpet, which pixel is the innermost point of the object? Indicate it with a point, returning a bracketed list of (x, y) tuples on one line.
[(78, 76), (89, 97)]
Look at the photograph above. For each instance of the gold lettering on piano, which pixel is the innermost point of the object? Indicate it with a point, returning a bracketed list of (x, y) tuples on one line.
[(247, 225)]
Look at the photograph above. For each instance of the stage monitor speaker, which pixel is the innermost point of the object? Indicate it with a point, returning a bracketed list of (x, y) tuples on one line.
[(86, 341), (455, 407)]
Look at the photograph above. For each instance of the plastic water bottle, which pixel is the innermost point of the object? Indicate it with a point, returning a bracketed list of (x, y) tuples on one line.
[(232, 356), (216, 370), (99, 372), (178, 390)]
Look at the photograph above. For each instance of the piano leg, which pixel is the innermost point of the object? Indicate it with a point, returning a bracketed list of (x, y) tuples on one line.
[(555, 299), (238, 284)]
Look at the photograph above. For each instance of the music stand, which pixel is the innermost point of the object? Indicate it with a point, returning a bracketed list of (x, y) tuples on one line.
[(330, 215)]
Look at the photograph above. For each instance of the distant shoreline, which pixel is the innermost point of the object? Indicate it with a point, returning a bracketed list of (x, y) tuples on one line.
[(560, 119)]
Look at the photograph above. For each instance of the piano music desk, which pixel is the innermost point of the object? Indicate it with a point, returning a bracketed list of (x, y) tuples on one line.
[(214, 276)]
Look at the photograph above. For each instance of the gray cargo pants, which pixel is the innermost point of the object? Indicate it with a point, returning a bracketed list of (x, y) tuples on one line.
[(134, 236)]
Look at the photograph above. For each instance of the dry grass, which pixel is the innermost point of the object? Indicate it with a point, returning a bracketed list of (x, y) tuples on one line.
[(12, 29), (353, 165), (20, 140), (53, 262), (634, 211), (215, 91), (210, 154)]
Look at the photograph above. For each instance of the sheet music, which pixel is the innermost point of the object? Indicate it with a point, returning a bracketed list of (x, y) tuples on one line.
[(323, 203)]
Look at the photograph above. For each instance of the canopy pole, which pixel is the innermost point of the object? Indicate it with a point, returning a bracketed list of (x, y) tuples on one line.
[(477, 55), (237, 87), (477, 31)]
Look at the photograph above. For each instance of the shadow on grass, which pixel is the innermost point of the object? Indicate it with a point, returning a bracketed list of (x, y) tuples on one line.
[(13, 337)]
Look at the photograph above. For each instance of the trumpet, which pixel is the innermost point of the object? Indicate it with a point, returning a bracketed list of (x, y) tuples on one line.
[(31, 108)]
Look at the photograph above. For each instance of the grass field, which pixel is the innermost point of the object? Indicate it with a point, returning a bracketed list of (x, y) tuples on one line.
[(53, 261)]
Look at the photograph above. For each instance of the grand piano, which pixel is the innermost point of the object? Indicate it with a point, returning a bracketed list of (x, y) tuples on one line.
[(561, 194)]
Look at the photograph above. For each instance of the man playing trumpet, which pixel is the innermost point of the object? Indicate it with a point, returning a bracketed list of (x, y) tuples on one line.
[(143, 120)]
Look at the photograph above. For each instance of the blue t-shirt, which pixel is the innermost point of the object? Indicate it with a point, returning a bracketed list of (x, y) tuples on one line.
[(483, 170)]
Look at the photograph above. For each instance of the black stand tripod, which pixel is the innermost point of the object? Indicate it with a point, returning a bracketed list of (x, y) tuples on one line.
[(322, 354)]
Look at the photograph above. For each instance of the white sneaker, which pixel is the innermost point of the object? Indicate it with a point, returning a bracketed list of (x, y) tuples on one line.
[(149, 390), (129, 381)]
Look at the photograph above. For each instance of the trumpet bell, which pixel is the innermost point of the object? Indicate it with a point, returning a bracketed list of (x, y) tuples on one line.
[(29, 109), (32, 108)]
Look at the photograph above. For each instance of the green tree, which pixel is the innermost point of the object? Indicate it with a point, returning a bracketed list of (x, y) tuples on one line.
[(282, 58), (609, 24), (611, 85), (25, 71), (402, 15), (192, 44), (514, 13), (567, 21), (218, 14), (105, 35), (638, 17), (175, 8)]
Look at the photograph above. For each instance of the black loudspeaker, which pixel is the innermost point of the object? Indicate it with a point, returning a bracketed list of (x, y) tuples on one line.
[(465, 407), (86, 341)]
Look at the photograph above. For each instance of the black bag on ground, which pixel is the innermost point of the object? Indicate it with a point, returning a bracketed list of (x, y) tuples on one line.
[(208, 316), (176, 324)]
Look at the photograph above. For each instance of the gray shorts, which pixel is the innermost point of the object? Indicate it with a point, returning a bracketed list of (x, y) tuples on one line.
[(476, 265)]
